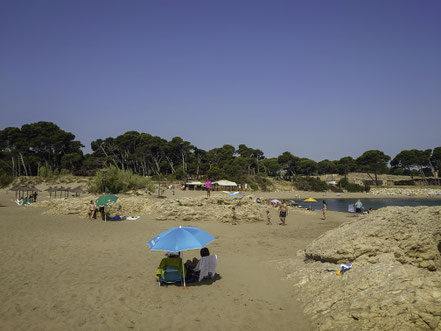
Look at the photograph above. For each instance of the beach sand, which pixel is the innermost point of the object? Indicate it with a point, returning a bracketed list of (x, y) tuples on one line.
[(65, 272)]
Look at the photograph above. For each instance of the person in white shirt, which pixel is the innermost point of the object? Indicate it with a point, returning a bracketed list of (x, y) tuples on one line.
[(206, 266)]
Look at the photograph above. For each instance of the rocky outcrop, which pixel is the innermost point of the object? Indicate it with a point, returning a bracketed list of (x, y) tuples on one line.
[(395, 280), (411, 234), (182, 209)]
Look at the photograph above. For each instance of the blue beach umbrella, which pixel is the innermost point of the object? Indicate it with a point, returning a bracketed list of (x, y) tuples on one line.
[(180, 239)]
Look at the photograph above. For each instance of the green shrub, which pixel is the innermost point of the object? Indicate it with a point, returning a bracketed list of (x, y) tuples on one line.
[(44, 172), (118, 181), (254, 186), (351, 187), (5, 180), (310, 184), (263, 182)]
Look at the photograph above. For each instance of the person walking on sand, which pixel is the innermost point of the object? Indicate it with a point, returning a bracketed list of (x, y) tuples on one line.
[(233, 214), (283, 210), (325, 208), (92, 210), (208, 186), (268, 218)]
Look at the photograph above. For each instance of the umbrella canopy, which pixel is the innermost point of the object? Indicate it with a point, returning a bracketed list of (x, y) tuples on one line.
[(105, 200), (310, 200), (179, 239), (276, 201)]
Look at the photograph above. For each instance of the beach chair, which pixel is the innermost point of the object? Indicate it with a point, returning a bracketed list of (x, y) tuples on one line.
[(171, 275), (169, 271), (351, 209)]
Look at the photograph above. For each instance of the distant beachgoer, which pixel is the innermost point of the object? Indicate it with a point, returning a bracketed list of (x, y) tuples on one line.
[(283, 210), (325, 208), (370, 210), (233, 214), (358, 206), (208, 186), (91, 212), (268, 218), (35, 196)]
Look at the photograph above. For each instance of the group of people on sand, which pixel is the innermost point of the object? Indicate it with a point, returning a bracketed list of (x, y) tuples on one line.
[(92, 210), (27, 199), (283, 212), (193, 270)]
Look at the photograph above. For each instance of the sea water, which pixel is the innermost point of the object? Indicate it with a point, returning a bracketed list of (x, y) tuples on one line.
[(374, 203)]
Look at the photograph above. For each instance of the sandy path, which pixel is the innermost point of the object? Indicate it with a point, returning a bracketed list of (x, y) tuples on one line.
[(63, 272)]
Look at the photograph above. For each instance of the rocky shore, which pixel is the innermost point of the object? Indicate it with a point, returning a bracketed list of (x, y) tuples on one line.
[(395, 280), (396, 191)]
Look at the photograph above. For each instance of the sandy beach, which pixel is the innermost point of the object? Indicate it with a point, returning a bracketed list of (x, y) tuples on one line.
[(65, 272)]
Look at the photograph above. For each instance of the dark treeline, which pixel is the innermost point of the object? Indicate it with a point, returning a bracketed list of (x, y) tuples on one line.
[(42, 149)]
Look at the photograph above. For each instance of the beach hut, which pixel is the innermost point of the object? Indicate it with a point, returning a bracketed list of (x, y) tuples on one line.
[(51, 190), (77, 190), (59, 189), (16, 189), (224, 185)]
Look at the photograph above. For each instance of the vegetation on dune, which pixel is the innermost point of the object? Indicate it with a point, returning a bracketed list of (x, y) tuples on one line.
[(115, 180), (5, 180), (304, 183), (351, 187), (43, 149)]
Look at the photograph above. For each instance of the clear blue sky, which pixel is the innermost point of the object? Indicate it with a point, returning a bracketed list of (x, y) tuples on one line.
[(321, 79)]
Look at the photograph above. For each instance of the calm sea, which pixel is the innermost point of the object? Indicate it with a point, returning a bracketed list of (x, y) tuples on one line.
[(342, 204)]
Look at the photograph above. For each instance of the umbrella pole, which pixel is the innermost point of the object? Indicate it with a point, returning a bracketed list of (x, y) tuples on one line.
[(183, 268)]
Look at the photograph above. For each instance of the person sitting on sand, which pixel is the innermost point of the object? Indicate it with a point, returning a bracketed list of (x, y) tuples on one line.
[(91, 212), (204, 267)]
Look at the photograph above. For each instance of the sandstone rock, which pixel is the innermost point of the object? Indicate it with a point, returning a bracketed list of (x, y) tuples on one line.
[(183, 209), (412, 234), (395, 280)]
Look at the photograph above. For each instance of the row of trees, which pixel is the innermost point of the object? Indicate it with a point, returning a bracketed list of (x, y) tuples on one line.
[(40, 147)]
